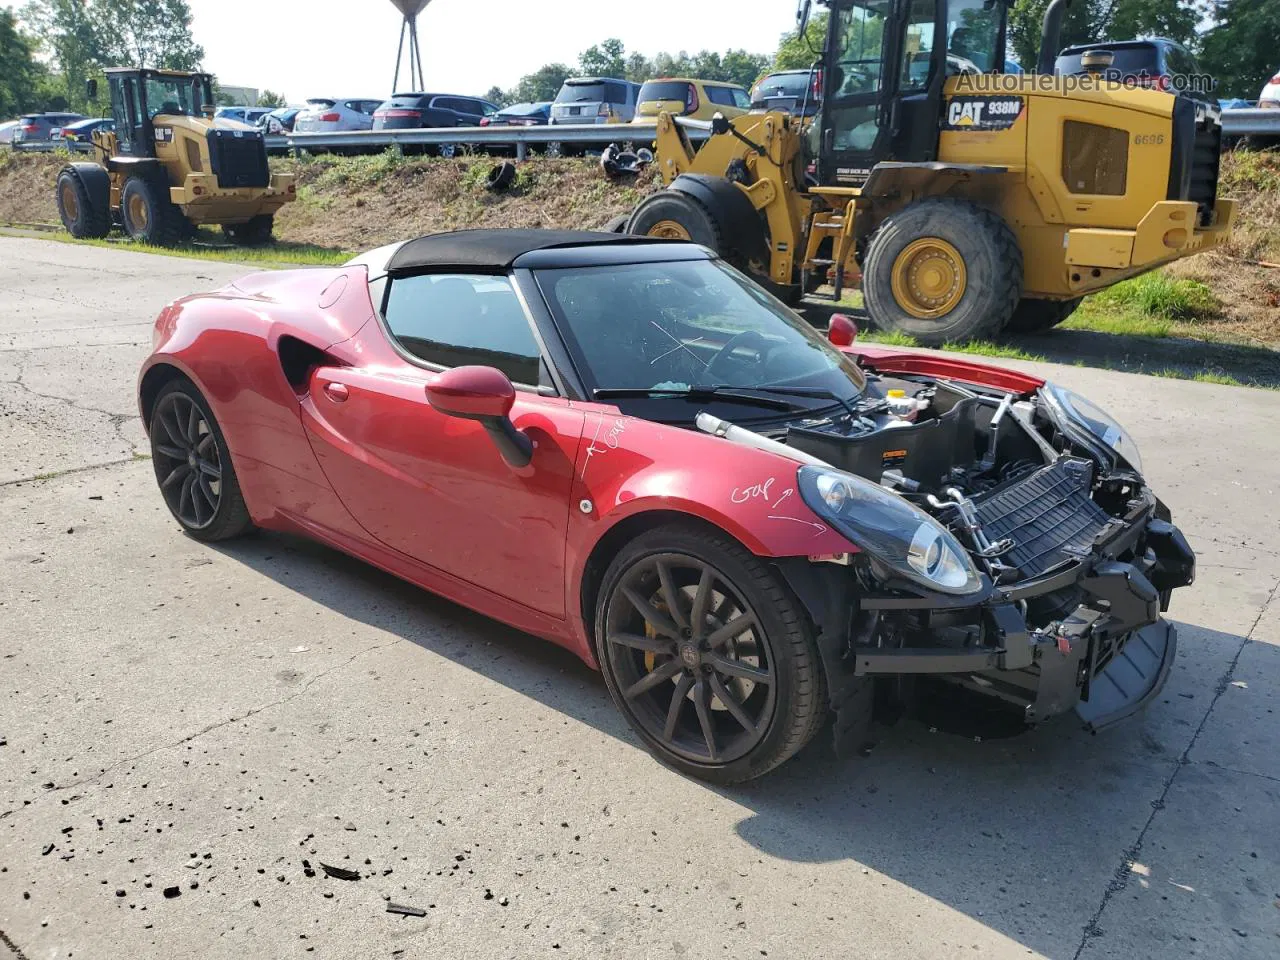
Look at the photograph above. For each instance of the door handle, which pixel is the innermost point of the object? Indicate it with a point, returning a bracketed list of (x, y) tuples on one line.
[(337, 392)]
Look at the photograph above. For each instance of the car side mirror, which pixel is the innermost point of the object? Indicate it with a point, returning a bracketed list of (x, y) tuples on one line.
[(484, 394), (91, 89), (841, 331)]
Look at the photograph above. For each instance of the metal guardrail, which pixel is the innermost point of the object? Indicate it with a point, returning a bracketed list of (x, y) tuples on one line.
[(50, 146), (1251, 122), (519, 138), (1241, 122)]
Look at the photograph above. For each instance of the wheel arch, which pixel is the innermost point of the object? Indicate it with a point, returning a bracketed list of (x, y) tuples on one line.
[(733, 211), (608, 545), (153, 379), (95, 178), (894, 185)]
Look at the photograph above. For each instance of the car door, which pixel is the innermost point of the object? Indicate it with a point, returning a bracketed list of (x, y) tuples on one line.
[(435, 487)]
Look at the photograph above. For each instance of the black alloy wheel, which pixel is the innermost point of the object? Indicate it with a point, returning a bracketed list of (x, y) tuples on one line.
[(705, 656), (193, 467)]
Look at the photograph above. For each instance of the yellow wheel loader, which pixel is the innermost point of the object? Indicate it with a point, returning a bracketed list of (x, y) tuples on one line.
[(169, 166), (964, 199)]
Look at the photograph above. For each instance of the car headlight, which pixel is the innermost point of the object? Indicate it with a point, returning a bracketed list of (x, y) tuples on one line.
[(1072, 410), (889, 528)]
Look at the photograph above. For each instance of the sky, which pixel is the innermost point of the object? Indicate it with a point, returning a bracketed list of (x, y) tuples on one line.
[(309, 48)]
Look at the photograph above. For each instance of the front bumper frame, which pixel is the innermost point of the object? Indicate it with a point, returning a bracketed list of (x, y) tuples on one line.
[(1107, 659)]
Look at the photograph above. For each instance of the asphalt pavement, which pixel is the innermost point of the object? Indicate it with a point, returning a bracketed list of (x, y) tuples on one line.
[(188, 733)]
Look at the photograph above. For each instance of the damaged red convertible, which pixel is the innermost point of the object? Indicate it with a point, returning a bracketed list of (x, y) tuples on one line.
[(625, 446)]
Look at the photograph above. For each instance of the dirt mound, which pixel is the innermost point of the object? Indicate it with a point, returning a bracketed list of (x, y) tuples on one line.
[(26, 187), (353, 203), (357, 202)]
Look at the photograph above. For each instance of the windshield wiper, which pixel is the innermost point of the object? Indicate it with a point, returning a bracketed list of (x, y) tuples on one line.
[(818, 392), (717, 392)]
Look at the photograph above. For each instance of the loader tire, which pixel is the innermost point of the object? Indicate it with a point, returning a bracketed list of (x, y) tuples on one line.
[(942, 270), (149, 216), (1037, 316), (671, 215), (82, 215)]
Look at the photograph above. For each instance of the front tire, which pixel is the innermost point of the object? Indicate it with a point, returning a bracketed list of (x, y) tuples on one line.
[(193, 466), (254, 233), (707, 655), (149, 216), (942, 270), (83, 218), (1037, 316)]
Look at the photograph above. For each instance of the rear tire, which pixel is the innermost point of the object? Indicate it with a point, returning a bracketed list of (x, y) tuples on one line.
[(83, 218), (668, 678), (942, 270), (1036, 316), (193, 465), (149, 216), (254, 233)]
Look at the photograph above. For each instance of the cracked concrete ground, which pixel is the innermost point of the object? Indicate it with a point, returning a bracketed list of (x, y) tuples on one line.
[(223, 720)]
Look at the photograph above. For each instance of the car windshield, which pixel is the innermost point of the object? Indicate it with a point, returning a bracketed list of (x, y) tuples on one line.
[(683, 326), (1128, 61), (663, 90), (172, 97), (782, 85), (581, 92)]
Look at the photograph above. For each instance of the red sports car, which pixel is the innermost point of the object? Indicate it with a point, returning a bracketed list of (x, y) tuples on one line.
[(625, 446)]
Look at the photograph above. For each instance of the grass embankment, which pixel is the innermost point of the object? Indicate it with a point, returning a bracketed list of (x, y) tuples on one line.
[(354, 203)]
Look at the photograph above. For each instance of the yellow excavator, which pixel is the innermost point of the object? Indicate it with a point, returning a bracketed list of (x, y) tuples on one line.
[(965, 199), (169, 166)]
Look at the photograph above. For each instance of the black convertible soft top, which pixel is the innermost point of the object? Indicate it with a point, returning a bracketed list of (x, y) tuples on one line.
[(494, 249)]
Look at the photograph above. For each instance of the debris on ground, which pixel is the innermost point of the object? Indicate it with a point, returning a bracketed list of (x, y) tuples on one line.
[(405, 910), (339, 873)]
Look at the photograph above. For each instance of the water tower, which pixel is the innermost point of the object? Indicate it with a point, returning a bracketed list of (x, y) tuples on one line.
[(410, 9)]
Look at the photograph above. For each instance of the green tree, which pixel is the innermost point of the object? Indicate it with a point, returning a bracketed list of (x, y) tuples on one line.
[(1241, 49), (65, 32), (796, 51), (743, 68), (147, 33), (20, 72), (606, 59), (639, 68), (496, 94), (542, 84), (269, 98)]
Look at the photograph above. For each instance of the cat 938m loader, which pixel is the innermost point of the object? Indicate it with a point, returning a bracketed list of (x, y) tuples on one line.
[(169, 166), (964, 197)]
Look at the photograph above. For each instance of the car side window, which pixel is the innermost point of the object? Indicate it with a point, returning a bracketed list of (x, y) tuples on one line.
[(741, 99), (720, 95), (452, 320)]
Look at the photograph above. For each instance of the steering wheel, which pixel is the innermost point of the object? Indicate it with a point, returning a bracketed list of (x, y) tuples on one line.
[(734, 342)]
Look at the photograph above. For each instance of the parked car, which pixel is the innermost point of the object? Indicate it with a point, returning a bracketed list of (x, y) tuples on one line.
[(335, 114), (595, 100), (696, 99), (8, 129), (1153, 63), (520, 115), (82, 130), (632, 501), (249, 115), (1270, 95), (280, 120), (43, 126), (405, 111), (789, 91)]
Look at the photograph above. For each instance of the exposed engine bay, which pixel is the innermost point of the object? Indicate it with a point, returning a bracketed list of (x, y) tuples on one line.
[(1034, 553)]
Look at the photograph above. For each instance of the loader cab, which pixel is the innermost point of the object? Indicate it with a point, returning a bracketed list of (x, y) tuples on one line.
[(139, 96), (884, 65)]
